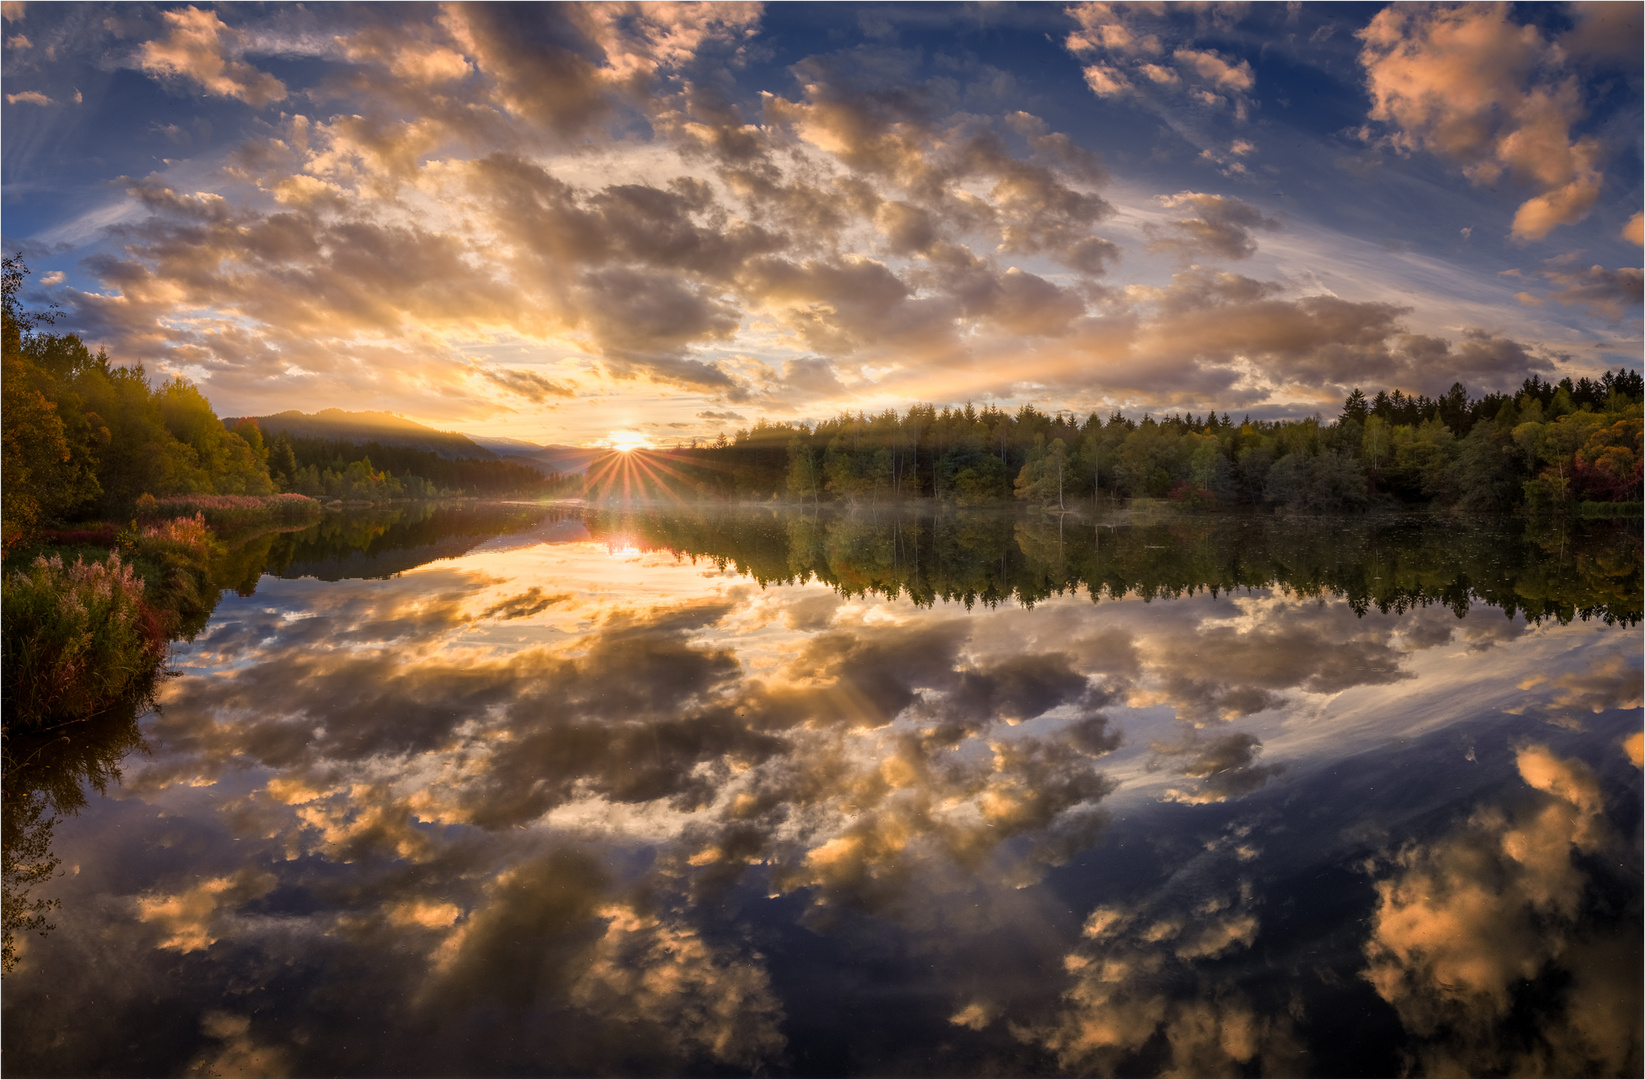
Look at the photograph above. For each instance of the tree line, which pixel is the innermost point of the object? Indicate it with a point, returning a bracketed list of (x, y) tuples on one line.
[(342, 469), (1548, 445)]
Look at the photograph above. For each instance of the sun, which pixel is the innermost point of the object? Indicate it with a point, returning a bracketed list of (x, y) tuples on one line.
[(628, 440)]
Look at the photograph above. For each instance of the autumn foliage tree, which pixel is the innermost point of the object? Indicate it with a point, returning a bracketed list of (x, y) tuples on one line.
[(83, 435)]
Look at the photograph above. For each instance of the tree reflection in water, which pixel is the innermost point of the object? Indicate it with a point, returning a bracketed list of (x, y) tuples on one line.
[(47, 774), (1559, 569), (631, 792)]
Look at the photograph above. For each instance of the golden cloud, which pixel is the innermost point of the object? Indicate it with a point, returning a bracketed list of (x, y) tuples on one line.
[(196, 917), (200, 48), (1465, 922), (1468, 83)]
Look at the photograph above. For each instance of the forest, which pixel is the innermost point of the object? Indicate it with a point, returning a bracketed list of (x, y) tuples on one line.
[(341, 469), (1548, 446)]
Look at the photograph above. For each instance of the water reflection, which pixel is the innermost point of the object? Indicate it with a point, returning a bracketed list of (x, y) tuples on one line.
[(48, 775), (379, 541), (1498, 913), (1562, 569), (746, 792)]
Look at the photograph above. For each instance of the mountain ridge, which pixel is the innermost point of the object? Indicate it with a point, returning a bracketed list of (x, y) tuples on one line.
[(366, 427), (391, 430)]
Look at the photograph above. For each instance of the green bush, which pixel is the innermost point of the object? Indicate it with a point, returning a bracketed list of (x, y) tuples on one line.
[(77, 640)]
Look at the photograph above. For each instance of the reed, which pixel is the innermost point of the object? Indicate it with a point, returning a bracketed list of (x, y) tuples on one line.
[(230, 514)]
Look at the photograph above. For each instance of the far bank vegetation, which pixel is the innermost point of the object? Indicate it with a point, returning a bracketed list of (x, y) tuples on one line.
[(1566, 446)]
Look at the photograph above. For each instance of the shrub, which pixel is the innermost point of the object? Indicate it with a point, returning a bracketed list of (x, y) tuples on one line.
[(175, 558), (76, 640), (190, 532)]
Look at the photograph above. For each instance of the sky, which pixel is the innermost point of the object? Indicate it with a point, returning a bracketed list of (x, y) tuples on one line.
[(587, 223)]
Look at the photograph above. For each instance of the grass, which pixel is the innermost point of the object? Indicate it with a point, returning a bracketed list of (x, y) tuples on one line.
[(228, 515)]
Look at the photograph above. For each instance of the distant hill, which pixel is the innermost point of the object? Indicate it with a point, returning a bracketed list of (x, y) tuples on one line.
[(365, 427), (565, 459), (507, 447), (545, 459)]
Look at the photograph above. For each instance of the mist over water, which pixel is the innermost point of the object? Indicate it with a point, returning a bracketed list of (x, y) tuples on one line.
[(678, 790)]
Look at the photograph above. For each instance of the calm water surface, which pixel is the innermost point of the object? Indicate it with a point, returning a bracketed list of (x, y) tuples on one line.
[(507, 791)]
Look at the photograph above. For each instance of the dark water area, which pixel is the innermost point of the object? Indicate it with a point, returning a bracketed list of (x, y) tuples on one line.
[(523, 791)]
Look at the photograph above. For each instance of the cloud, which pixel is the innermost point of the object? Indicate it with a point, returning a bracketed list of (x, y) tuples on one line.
[(1223, 227), (237, 1052), (1225, 767), (29, 97), (844, 770), (1136, 982), (195, 917), (555, 932), (1012, 691), (200, 48), (527, 384), (698, 1000), (1193, 336), (629, 222), (1606, 294), (1607, 682), (1466, 924), (1229, 162), (1143, 51), (560, 69), (1603, 34), (525, 605), (411, 58), (1492, 95), (1215, 70)]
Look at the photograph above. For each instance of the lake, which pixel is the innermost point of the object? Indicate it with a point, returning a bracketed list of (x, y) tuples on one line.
[(514, 790)]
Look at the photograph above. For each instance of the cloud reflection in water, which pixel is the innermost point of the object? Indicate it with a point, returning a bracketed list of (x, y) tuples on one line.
[(528, 802)]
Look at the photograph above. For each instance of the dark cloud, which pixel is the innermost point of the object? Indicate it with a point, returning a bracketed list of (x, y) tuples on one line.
[(528, 603), (527, 384), (1225, 767), (1607, 294), (1015, 690)]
